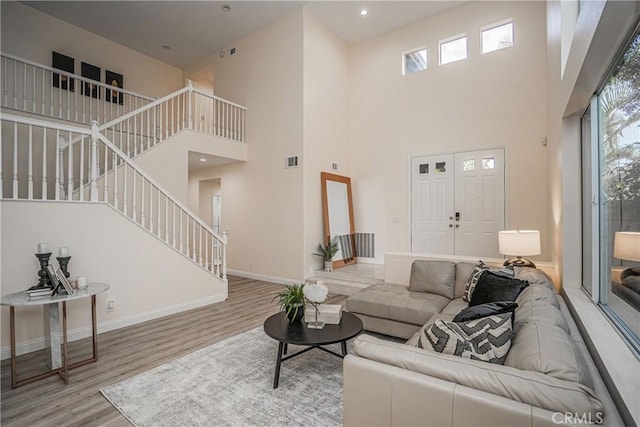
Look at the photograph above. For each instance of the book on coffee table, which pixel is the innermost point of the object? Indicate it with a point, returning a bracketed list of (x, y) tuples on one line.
[(330, 314)]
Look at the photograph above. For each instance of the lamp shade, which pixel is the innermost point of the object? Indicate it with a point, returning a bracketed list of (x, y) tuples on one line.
[(626, 245), (519, 242)]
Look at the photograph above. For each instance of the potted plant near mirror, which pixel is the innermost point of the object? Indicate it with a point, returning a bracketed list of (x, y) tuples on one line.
[(327, 252), (291, 301)]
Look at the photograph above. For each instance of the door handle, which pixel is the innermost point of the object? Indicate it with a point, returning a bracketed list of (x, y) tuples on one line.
[(450, 225), (457, 225), (450, 218), (457, 216)]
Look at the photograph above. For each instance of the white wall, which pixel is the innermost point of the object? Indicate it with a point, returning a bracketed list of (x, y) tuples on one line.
[(148, 278), (263, 205), (326, 124), (32, 35), (486, 101), (168, 163)]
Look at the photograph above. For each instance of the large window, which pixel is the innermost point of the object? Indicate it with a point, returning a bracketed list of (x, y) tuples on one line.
[(611, 185)]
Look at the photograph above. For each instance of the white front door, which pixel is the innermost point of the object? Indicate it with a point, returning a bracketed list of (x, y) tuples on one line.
[(457, 203), (479, 202), (432, 200)]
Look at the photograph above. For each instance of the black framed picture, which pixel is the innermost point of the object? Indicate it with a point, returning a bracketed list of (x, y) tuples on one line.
[(116, 80), (92, 72), (64, 63)]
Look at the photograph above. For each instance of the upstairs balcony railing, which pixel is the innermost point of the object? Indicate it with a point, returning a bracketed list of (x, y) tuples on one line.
[(45, 161), (38, 89), (133, 122), (186, 108)]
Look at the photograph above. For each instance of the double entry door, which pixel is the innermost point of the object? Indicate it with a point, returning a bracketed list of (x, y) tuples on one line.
[(457, 203)]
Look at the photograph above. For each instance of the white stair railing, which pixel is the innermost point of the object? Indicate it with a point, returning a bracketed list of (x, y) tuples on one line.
[(186, 108), (50, 161), (38, 89)]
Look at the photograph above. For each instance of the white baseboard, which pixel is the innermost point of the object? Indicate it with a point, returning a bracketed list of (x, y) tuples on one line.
[(85, 331), (377, 261), (263, 277)]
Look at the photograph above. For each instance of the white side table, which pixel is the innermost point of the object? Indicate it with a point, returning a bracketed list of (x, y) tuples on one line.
[(59, 362)]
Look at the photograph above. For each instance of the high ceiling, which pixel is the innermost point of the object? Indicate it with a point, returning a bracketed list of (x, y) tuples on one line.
[(196, 30)]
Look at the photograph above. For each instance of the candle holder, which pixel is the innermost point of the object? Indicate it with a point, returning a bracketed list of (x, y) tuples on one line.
[(64, 263), (43, 281)]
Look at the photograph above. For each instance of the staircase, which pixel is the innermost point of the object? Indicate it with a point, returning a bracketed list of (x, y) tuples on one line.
[(54, 150)]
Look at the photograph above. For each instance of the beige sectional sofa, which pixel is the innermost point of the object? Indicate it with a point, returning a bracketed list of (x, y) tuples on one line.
[(547, 379)]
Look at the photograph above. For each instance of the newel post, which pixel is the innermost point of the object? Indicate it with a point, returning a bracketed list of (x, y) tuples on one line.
[(189, 120), (94, 161), (225, 241)]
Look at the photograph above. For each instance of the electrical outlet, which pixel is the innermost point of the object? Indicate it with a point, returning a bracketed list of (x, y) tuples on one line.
[(110, 305)]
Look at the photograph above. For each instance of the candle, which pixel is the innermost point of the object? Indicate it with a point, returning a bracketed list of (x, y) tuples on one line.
[(63, 252), (43, 248)]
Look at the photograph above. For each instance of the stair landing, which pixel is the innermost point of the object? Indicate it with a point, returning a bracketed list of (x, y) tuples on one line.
[(350, 279)]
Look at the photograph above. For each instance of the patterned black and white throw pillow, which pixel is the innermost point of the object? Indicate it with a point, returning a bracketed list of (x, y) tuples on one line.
[(487, 339), (480, 268)]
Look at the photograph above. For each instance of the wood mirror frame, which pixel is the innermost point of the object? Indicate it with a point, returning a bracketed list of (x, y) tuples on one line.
[(336, 193)]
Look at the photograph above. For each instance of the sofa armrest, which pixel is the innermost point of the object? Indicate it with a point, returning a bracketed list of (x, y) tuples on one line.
[(532, 388)]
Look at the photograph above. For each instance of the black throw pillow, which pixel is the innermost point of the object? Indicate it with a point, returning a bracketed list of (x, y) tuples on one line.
[(484, 310), (492, 287)]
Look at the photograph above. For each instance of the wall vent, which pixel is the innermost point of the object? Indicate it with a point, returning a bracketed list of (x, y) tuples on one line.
[(291, 162), (334, 166)]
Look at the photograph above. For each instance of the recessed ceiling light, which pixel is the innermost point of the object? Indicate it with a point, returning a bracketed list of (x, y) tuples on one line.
[(225, 7), (203, 160), (166, 47), (364, 12)]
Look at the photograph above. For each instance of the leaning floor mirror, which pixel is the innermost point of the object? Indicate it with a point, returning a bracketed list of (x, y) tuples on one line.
[(338, 217)]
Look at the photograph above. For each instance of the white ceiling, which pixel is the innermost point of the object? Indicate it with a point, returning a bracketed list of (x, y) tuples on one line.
[(196, 30)]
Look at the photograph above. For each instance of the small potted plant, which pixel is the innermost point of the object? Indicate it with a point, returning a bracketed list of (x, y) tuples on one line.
[(291, 301), (327, 252)]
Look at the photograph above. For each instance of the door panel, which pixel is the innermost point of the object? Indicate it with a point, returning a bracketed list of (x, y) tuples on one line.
[(432, 204), (471, 184), (479, 198)]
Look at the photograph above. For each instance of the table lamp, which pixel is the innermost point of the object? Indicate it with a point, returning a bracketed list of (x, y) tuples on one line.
[(315, 294), (626, 246), (519, 243)]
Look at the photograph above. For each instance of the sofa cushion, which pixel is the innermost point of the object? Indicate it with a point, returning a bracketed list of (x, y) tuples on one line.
[(538, 303), (396, 302), (487, 339), (484, 310), (436, 277), (494, 287), (455, 306), (546, 348)]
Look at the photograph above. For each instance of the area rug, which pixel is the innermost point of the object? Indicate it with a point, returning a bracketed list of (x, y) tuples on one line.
[(230, 383)]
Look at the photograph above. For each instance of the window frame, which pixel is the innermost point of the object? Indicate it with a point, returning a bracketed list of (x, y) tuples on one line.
[(497, 25), (410, 51), (453, 39), (593, 177)]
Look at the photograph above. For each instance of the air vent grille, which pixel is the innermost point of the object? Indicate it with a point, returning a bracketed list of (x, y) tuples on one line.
[(291, 162)]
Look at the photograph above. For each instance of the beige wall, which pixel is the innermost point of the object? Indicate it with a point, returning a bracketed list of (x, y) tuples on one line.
[(263, 207), (32, 35), (486, 101), (148, 278), (326, 124)]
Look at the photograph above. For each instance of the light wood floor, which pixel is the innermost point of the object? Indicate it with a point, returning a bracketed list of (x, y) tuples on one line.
[(126, 352)]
